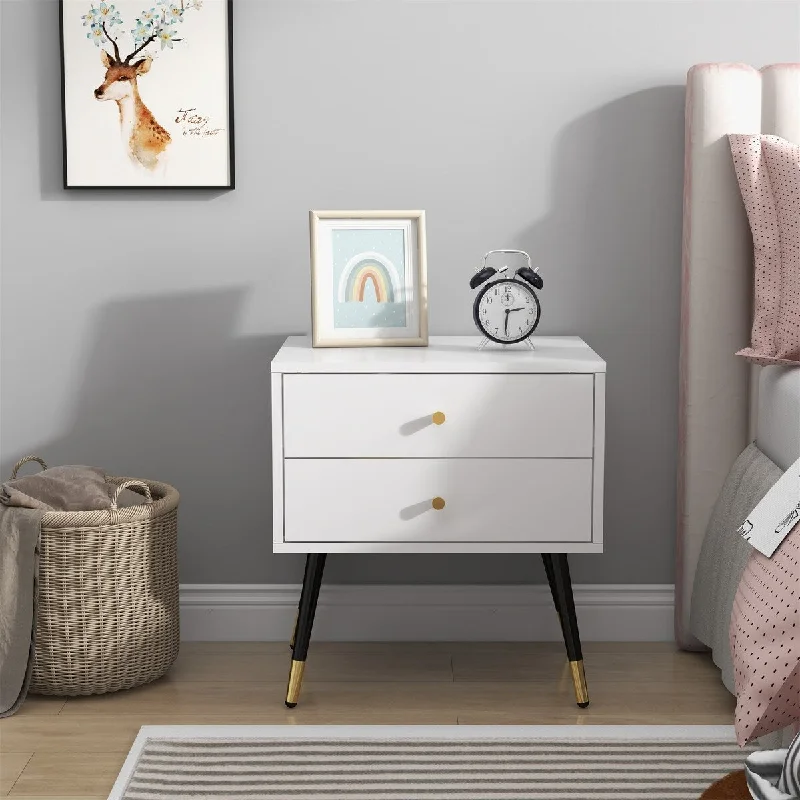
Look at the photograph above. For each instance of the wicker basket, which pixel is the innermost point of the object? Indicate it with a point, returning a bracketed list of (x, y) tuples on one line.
[(107, 616)]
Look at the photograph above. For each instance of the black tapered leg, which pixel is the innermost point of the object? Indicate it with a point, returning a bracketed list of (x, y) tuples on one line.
[(312, 581), (557, 568), (547, 559)]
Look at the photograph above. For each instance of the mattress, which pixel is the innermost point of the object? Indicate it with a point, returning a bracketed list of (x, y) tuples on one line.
[(778, 421)]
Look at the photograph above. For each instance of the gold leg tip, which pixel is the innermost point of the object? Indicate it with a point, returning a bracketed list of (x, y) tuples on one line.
[(295, 682), (579, 682)]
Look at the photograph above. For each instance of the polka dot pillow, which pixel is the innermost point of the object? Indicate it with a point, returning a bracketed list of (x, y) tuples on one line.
[(765, 641), (768, 171)]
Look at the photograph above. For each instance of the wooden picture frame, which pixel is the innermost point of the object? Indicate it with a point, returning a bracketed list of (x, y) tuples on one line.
[(368, 279), (175, 126)]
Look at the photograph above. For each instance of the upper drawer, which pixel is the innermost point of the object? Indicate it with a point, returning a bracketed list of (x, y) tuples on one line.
[(392, 416)]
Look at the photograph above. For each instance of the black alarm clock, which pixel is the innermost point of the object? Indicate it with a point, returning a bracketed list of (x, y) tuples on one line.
[(507, 310)]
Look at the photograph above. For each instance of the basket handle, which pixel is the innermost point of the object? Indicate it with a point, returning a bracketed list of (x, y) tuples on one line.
[(125, 485), (21, 463)]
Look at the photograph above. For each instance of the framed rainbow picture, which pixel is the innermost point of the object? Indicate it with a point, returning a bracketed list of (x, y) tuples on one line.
[(368, 279)]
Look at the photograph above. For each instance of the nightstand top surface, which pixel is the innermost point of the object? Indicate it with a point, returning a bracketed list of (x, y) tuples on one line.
[(454, 354)]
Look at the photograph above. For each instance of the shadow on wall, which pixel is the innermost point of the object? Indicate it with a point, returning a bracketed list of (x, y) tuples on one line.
[(610, 250), (169, 392), (614, 240)]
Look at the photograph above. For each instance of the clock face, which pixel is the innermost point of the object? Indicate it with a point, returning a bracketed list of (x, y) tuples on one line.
[(506, 311)]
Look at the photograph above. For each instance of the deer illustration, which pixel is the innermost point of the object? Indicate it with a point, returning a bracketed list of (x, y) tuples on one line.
[(145, 140)]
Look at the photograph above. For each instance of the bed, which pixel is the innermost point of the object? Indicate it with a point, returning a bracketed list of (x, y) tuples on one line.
[(725, 402)]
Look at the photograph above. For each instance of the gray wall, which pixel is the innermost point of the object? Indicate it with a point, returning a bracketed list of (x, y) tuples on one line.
[(556, 127)]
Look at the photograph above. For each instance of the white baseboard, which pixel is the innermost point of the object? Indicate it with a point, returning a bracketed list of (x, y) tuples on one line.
[(244, 612)]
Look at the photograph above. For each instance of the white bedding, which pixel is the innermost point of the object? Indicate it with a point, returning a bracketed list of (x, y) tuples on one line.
[(778, 422)]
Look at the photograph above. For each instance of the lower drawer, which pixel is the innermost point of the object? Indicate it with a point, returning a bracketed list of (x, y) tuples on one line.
[(392, 500)]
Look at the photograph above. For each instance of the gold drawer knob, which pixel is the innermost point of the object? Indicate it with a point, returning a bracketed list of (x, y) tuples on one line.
[(438, 503), (438, 418)]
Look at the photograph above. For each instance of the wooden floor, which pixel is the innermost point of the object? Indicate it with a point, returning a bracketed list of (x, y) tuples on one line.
[(56, 748)]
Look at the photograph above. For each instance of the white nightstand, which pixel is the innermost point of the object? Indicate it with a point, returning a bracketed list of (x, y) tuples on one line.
[(438, 449)]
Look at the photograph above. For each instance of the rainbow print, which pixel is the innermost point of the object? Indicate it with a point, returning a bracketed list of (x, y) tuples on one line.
[(363, 269)]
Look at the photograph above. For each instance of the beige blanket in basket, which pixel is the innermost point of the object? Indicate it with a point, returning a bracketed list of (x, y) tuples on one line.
[(67, 488), (23, 503), (19, 536)]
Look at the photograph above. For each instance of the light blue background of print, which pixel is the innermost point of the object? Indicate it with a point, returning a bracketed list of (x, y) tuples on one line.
[(349, 242)]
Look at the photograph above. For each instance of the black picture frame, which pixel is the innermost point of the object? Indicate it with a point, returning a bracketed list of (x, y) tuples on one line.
[(230, 185)]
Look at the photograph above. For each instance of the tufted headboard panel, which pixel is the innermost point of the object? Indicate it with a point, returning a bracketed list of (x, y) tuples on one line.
[(718, 390)]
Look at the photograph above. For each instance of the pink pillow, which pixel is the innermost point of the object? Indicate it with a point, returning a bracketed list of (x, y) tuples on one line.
[(765, 641), (768, 171)]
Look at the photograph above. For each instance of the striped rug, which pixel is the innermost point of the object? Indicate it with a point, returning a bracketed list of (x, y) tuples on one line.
[(427, 762)]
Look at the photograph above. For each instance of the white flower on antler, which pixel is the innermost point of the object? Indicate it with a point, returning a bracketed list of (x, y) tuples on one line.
[(96, 35), (108, 14), (173, 13), (166, 36), (92, 17), (141, 31)]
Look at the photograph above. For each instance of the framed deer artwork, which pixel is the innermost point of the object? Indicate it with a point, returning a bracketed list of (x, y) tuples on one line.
[(147, 93)]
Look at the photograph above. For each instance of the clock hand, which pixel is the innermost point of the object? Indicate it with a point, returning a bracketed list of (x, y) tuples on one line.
[(508, 311)]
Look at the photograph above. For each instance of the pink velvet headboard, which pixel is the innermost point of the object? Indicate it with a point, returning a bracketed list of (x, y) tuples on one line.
[(717, 405)]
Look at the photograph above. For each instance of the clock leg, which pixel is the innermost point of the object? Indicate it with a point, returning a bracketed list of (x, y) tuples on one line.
[(312, 581), (557, 569)]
